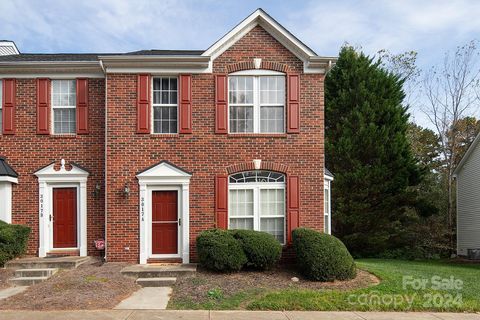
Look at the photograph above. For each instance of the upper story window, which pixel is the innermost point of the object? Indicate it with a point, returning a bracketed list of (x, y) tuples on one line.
[(256, 103), (165, 105), (1, 105), (64, 106), (256, 201)]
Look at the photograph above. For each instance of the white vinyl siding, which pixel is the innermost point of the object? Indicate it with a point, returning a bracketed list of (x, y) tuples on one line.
[(64, 95), (468, 204)]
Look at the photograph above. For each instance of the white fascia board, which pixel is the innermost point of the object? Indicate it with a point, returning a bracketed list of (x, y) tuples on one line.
[(467, 155), (57, 70), (327, 177), (55, 76), (8, 179), (156, 64)]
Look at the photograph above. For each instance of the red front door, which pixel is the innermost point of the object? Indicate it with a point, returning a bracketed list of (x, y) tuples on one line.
[(164, 222), (65, 217)]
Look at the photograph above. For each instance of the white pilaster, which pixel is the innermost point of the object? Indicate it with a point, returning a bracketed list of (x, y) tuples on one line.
[(143, 224), (186, 222)]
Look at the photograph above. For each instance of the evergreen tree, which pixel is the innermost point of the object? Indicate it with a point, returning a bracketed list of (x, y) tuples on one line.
[(368, 151)]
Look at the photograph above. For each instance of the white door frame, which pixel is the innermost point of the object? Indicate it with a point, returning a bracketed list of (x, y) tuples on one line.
[(164, 176), (49, 178), (50, 199), (150, 190)]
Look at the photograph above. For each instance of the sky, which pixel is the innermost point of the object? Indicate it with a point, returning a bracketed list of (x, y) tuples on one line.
[(430, 27)]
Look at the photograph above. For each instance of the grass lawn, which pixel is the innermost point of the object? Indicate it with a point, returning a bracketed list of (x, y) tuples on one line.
[(456, 288)]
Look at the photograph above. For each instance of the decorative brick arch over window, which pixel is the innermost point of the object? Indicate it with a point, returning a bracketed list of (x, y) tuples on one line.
[(292, 195), (264, 165), (249, 65)]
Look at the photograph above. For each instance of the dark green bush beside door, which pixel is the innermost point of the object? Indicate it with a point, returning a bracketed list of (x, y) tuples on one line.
[(13, 241)]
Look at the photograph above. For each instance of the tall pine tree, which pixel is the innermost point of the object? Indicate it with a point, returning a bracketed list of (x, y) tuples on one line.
[(368, 151)]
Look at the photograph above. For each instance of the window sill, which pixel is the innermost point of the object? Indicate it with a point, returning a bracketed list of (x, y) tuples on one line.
[(257, 135), (164, 135), (63, 136)]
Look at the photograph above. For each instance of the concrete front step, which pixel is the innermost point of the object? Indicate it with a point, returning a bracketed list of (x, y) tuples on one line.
[(159, 271), (156, 282), (42, 263), (46, 272), (26, 281)]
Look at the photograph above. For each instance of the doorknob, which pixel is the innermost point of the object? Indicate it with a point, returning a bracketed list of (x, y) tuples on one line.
[(179, 221)]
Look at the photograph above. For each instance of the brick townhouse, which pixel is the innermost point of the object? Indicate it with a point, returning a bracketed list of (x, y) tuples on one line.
[(146, 149)]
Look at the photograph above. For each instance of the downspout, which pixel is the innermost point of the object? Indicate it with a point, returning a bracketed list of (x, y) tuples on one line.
[(105, 160)]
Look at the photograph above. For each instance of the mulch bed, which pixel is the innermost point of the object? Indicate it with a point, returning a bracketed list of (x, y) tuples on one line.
[(90, 286), (5, 274), (195, 288)]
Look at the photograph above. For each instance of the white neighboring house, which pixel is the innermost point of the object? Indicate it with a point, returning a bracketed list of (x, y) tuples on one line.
[(467, 175)]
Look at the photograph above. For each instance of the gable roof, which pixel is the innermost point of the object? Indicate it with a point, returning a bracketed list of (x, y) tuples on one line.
[(467, 155), (263, 19)]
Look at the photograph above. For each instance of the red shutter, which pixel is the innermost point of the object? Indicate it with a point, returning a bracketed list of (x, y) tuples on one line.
[(143, 103), (8, 107), (293, 97), (221, 201), (43, 106), (82, 106), (185, 111), (221, 111), (293, 203)]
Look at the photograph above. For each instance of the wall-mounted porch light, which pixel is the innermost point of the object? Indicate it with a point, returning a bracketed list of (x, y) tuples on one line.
[(126, 190), (96, 191)]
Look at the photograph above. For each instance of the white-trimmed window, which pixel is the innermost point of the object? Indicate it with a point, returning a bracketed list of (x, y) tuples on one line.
[(64, 103), (256, 103), (165, 105), (257, 202), (1, 106)]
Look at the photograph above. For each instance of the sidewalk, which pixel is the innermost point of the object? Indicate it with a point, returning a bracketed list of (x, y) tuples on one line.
[(228, 315)]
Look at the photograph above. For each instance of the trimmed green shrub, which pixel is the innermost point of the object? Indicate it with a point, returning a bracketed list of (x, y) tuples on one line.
[(13, 241), (322, 257), (219, 251), (263, 251)]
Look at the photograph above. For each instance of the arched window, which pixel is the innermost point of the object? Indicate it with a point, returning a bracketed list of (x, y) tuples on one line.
[(257, 202)]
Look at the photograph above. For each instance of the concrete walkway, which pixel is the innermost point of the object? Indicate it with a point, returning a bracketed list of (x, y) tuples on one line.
[(147, 299), (11, 291), (229, 315)]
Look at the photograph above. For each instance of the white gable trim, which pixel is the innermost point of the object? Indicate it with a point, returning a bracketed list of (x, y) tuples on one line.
[(467, 155), (312, 63), (260, 17), (76, 174)]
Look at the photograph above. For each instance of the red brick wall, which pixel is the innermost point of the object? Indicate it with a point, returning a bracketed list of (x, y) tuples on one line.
[(205, 153), (27, 152)]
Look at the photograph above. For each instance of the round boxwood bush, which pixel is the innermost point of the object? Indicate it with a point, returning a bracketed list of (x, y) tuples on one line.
[(322, 257), (262, 249), (219, 251)]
